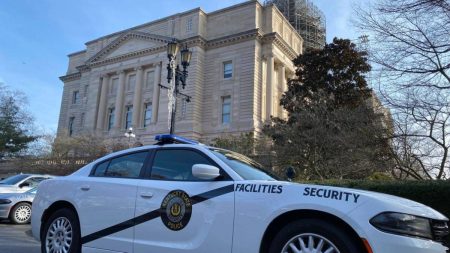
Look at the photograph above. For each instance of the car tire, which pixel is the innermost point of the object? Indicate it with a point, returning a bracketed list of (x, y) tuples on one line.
[(21, 213), (60, 228), (319, 231)]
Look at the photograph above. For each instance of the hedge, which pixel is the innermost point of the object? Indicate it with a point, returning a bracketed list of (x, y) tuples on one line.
[(435, 194)]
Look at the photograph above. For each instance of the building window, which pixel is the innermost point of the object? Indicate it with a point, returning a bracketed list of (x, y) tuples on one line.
[(131, 82), (82, 120), (85, 93), (114, 85), (189, 25), (148, 114), (129, 116), (71, 121), (226, 110), (149, 82), (75, 97), (111, 118), (227, 69)]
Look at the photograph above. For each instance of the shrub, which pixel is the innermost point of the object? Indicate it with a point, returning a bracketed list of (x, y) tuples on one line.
[(435, 194)]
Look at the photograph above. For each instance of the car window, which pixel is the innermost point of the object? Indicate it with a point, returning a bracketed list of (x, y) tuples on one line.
[(14, 179), (101, 168), (174, 164), (34, 181), (127, 166)]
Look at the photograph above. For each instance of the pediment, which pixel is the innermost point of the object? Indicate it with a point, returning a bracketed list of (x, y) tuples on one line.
[(128, 43)]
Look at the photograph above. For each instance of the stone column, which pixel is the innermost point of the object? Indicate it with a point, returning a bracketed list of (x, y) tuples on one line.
[(101, 114), (137, 99), (276, 91), (269, 86), (283, 88), (119, 101), (156, 89)]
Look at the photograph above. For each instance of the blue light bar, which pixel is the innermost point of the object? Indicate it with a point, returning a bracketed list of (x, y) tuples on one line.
[(171, 138)]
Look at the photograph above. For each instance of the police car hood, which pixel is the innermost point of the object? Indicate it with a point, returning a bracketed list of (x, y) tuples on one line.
[(13, 195), (8, 188), (360, 199), (390, 203), (402, 204)]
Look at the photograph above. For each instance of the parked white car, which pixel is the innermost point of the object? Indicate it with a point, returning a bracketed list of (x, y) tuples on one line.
[(180, 196), (21, 183)]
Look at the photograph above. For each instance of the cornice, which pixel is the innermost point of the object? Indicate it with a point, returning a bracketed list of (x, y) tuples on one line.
[(125, 37), (77, 53), (235, 38), (236, 6), (70, 77), (280, 43), (83, 68), (254, 34), (154, 22), (198, 41), (123, 57)]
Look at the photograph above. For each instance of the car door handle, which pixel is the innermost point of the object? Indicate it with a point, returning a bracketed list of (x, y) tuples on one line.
[(85, 188), (146, 195)]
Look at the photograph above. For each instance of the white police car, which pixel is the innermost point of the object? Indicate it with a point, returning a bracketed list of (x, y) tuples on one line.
[(181, 196)]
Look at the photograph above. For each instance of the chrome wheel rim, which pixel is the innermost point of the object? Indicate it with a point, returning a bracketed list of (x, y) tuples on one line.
[(59, 236), (22, 213), (309, 243)]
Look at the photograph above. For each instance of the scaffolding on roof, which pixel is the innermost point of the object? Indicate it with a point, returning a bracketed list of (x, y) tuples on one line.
[(306, 18)]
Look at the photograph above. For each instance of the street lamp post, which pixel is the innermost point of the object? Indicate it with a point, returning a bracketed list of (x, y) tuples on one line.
[(178, 76), (130, 134)]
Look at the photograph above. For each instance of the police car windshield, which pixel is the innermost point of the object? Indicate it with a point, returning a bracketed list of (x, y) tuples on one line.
[(242, 165)]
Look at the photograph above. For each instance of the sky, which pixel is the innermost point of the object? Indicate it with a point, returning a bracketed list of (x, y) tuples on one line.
[(37, 36)]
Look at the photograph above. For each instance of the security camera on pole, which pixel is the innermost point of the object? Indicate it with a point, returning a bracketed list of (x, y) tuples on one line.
[(175, 76)]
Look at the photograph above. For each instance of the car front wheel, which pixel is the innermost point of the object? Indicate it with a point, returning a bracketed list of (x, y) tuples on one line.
[(313, 236), (21, 213), (61, 233)]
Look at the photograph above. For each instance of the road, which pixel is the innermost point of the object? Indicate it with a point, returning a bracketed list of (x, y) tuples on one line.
[(17, 239)]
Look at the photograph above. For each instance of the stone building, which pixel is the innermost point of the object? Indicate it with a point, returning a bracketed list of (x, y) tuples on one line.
[(242, 57)]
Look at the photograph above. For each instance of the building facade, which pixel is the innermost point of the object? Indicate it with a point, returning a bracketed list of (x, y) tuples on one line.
[(242, 57)]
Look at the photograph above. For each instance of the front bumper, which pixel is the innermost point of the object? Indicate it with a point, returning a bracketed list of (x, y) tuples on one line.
[(382, 242), (4, 211)]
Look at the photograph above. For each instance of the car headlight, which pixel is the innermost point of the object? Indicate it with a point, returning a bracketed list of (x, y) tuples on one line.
[(403, 224), (5, 201)]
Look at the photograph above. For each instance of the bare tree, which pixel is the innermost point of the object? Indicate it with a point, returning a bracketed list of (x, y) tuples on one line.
[(410, 53), (414, 5)]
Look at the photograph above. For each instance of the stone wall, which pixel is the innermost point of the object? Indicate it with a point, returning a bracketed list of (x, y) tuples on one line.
[(58, 167)]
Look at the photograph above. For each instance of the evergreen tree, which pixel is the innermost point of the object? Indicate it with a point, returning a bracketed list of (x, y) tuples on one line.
[(334, 128), (14, 137)]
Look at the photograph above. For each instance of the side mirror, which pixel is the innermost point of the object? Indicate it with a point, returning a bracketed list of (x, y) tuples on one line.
[(290, 173), (204, 171), (24, 185)]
